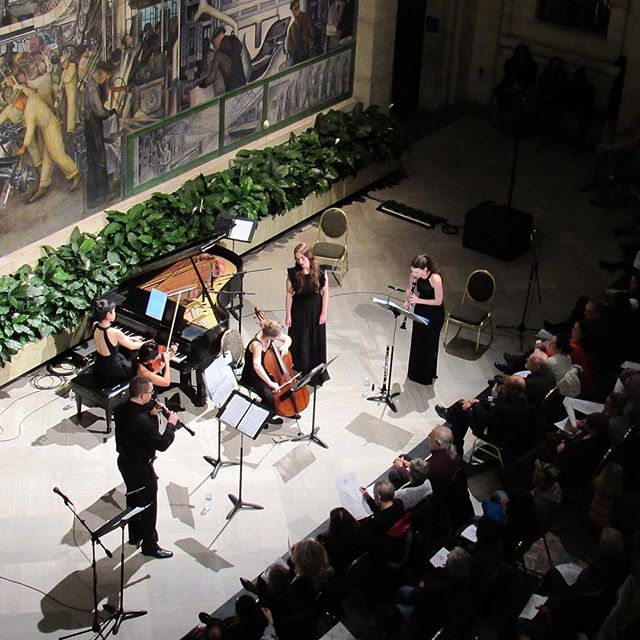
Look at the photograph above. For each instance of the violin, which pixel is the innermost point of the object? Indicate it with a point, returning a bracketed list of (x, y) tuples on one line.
[(279, 367), (158, 363)]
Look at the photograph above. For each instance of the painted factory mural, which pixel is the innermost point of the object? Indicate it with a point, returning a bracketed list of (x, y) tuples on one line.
[(100, 99)]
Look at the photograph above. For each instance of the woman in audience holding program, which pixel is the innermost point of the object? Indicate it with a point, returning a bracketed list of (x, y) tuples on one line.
[(110, 366)]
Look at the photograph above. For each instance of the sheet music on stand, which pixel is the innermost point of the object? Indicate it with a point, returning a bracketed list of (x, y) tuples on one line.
[(399, 309), (244, 414), (220, 381)]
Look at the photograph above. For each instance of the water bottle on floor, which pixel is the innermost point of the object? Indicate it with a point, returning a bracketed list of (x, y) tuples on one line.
[(366, 387), (208, 502)]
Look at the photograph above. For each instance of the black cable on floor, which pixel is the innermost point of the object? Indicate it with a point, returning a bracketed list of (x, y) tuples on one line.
[(46, 595)]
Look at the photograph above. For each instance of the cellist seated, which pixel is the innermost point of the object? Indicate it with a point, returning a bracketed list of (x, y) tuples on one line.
[(254, 375)]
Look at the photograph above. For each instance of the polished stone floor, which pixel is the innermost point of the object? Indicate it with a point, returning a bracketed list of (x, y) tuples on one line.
[(45, 574)]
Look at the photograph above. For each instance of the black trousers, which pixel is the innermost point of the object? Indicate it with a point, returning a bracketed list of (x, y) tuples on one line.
[(143, 527)]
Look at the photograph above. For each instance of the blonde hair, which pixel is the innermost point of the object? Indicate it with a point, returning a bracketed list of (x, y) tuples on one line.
[(310, 559), (270, 328)]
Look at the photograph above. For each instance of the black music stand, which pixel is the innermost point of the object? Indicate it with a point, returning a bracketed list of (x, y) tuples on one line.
[(317, 373), (217, 463), (119, 615), (248, 417), (97, 623), (385, 390)]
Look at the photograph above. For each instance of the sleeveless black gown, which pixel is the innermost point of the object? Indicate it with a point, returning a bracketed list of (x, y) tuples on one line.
[(111, 369), (425, 340), (308, 337)]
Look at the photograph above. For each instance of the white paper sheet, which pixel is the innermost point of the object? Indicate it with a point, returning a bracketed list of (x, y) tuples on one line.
[(563, 425), (471, 533), (530, 611), (570, 572), (253, 420), (583, 406), (628, 364), (439, 559), (350, 497), (220, 381), (234, 410)]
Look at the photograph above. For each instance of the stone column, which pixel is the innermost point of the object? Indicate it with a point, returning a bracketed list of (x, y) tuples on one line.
[(374, 52)]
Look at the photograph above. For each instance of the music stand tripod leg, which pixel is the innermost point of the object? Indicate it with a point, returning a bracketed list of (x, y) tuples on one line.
[(218, 463), (238, 502)]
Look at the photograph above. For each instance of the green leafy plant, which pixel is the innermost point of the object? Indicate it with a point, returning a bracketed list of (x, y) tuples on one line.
[(58, 292)]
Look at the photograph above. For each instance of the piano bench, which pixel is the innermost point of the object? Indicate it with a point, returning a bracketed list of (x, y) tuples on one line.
[(90, 392)]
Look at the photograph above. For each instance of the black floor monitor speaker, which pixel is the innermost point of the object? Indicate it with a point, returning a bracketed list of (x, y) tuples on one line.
[(497, 230)]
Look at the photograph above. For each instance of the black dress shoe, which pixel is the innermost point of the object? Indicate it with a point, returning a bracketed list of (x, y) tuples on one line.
[(135, 543), (159, 553), (275, 420), (204, 617), (501, 367), (247, 585), (443, 412)]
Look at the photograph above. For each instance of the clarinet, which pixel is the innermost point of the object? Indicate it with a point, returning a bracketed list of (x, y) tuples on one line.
[(383, 389), (179, 425), (413, 288)]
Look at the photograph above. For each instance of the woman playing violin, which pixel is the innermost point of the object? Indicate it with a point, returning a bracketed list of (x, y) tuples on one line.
[(153, 364), (110, 366), (254, 374)]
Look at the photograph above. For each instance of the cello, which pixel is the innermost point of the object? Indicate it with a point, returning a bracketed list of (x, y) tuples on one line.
[(279, 367)]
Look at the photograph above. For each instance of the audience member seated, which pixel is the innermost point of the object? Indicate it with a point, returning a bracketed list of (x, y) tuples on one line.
[(418, 487), (590, 309), (614, 409), (249, 622), (520, 521), (505, 417), (211, 629), (584, 355), (540, 379), (387, 510), (343, 540), (487, 553), (427, 605), (442, 462), (546, 492), (607, 490)]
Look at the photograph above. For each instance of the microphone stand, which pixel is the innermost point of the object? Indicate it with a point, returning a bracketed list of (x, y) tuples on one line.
[(97, 623)]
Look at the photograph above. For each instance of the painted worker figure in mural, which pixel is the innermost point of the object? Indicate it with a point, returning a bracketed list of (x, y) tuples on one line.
[(334, 16), (39, 116), (10, 114), (300, 39), (94, 115), (225, 63), (149, 45), (69, 84)]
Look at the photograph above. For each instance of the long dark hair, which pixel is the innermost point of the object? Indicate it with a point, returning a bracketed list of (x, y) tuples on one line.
[(342, 525), (101, 308), (148, 351), (314, 268), (423, 261)]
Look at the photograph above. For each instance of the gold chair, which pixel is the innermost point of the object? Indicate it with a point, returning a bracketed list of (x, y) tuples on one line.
[(331, 246), (474, 310)]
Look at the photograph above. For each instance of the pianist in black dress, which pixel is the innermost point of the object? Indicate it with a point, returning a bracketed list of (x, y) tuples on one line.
[(306, 305), (153, 364), (425, 298), (110, 366)]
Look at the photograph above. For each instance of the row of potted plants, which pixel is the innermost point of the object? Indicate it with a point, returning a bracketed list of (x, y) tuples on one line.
[(58, 291)]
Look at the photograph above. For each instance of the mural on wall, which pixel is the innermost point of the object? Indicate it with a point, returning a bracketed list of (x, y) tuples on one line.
[(80, 78)]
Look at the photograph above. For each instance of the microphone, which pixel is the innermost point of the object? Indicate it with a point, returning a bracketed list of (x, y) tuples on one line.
[(66, 500), (395, 288)]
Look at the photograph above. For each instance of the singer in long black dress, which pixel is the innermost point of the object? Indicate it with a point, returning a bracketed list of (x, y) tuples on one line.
[(306, 305), (425, 297)]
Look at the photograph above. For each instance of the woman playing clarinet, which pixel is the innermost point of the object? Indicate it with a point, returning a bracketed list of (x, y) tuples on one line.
[(306, 305), (425, 298)]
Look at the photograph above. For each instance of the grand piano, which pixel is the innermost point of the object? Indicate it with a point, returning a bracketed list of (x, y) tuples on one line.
[(192, 289)]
